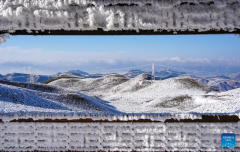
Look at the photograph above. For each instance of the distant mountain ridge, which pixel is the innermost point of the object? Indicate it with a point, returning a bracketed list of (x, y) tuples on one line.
[(235, 76), (77, 72), (21, 77), (219, 82), (160, 75), (134, 73)]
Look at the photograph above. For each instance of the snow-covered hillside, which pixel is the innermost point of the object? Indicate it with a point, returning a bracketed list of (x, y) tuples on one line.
[(137, 95), (24, 97), (117, 94), (221, 83), (159, 75)]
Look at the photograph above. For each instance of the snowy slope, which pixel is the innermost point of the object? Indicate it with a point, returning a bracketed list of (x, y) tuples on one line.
[(225, 102), (115, 94), (23, 97), (94, 84), (137, 95)]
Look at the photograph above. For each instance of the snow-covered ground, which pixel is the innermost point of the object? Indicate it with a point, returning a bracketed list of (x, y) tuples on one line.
[(116, 95), (24, 97), (174, 95)]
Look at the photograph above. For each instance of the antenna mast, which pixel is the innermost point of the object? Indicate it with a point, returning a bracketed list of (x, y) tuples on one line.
[(153, 71)]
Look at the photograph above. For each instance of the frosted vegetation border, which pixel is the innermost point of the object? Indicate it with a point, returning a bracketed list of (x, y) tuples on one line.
[(116, 136), (175, 15), (7, 117)]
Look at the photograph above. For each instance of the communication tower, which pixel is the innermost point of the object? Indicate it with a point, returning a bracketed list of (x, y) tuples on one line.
[(153, 71)]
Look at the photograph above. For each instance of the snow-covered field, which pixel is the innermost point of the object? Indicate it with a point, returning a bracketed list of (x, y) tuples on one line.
[(174, 95), (114, 97), (24, 97)]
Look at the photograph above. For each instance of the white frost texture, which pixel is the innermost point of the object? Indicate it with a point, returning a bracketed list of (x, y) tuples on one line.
[(174, 15), (145, 137)]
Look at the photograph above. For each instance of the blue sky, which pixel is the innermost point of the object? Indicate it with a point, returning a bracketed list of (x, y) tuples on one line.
[(50, 54)]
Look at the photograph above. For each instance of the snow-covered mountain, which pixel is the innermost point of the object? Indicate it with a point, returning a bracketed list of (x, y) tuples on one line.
[(160, 75), (114, 94), (235, 76), (168, 72), (179, 94), (25, 97), (134, 73), (83, 85), (221, 83), (78, 73), (83, 74), (95, 75), (61, 76)]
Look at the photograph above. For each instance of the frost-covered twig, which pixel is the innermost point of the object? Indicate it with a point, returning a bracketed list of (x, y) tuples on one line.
[(33, 78), (10, 78), (3, 37)]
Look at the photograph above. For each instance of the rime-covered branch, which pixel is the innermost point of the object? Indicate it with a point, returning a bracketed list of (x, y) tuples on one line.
[(84, 15)]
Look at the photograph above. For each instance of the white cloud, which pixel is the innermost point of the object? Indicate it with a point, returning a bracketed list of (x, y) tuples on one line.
[(198, 60), (14, 54), (13, 59), (181, 60), (110, 61), (159, 60), (178, 59)]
